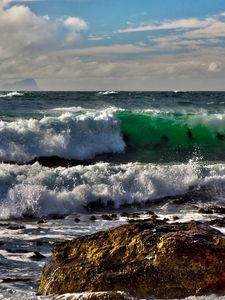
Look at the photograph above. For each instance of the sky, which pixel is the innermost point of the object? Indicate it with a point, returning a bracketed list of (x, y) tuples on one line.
[(114, 44)]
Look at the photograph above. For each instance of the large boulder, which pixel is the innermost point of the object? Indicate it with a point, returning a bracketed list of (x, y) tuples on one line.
[(143, 258)]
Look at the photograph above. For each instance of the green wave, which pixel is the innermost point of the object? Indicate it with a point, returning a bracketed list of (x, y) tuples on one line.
[(179, 133)]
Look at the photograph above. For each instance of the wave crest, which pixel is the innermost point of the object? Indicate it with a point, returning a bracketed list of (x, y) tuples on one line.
[(71, 136)]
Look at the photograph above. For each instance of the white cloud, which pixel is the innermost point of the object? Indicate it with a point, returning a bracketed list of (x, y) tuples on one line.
[(76, 24), (22, 32), (167, 25)]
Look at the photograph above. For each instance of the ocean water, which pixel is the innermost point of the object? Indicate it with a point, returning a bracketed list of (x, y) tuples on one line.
[(140, 151)]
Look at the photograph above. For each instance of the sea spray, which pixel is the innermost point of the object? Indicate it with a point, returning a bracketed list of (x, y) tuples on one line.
[(78, 136), (40, 191)]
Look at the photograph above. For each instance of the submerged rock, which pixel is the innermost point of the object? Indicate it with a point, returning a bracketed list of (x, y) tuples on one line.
[(143, 258)]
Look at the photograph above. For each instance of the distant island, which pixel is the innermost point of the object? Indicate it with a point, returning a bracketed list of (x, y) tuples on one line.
[(22, 85)]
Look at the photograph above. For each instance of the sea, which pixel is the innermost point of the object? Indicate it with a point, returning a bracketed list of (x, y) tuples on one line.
[(127, 153)]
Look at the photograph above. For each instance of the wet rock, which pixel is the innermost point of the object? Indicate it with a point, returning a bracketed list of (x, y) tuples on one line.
[(135, 215), (208, 211), (124, 214), (77, 220), (4, 224), (212, 210), (37, 256), (175, 218), (219, 210), (143, 258), (131, 221), (93, 218), (217, 222), (42, 221), (28, 216), (15, 227), (57, 217), (107, 217), (114, 216), (99, 204), (151, 213)]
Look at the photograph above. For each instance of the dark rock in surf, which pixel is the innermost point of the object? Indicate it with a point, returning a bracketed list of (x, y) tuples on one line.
[(37, 256), (212, 210), (15, 227), (143, 258), (77, 220), (107, 218), (93, 218), (208, 211), (217, 222), (57, 217), (56, 161)]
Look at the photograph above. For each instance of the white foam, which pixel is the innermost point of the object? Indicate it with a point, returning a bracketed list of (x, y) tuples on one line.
[(11, 94), (107, 93), (77, 136), (42, 191)]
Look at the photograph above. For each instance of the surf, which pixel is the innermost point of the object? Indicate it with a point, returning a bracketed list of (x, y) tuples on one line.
[(11, 94)]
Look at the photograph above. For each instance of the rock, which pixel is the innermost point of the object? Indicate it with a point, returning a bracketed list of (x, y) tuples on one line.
[(217, 222), (57, 216), (42, 221), (135, 215), (125, 214), (77, 220), (15, 227), (56, 161), (93, 218), (203, 210), (107, 217), (219, 210), (114, 216), (212, 209), (166, 260), (37, 256)]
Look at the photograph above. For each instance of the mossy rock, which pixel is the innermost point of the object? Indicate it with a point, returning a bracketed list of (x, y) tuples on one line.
[(143, 258)]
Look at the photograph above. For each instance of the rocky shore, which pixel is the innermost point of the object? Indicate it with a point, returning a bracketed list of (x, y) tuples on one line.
[(145, 257)]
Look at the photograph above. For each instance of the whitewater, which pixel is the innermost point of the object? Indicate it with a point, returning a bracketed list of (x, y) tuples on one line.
[(123, 152)]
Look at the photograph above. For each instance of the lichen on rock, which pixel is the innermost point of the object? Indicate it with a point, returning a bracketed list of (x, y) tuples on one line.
[(143, 258)]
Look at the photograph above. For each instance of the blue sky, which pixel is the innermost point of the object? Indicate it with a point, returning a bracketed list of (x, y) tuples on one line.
[(112, 44)]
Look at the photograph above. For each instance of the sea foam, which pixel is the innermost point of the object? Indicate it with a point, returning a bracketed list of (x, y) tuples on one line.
[(72, 136), (11, 94), (42, 191)]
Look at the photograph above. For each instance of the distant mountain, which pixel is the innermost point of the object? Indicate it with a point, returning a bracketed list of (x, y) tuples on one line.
[(22, 85)]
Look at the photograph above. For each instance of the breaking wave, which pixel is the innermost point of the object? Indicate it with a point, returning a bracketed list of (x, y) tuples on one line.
[(72, 136), (11, 94), (141, 136), (41, 191)]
